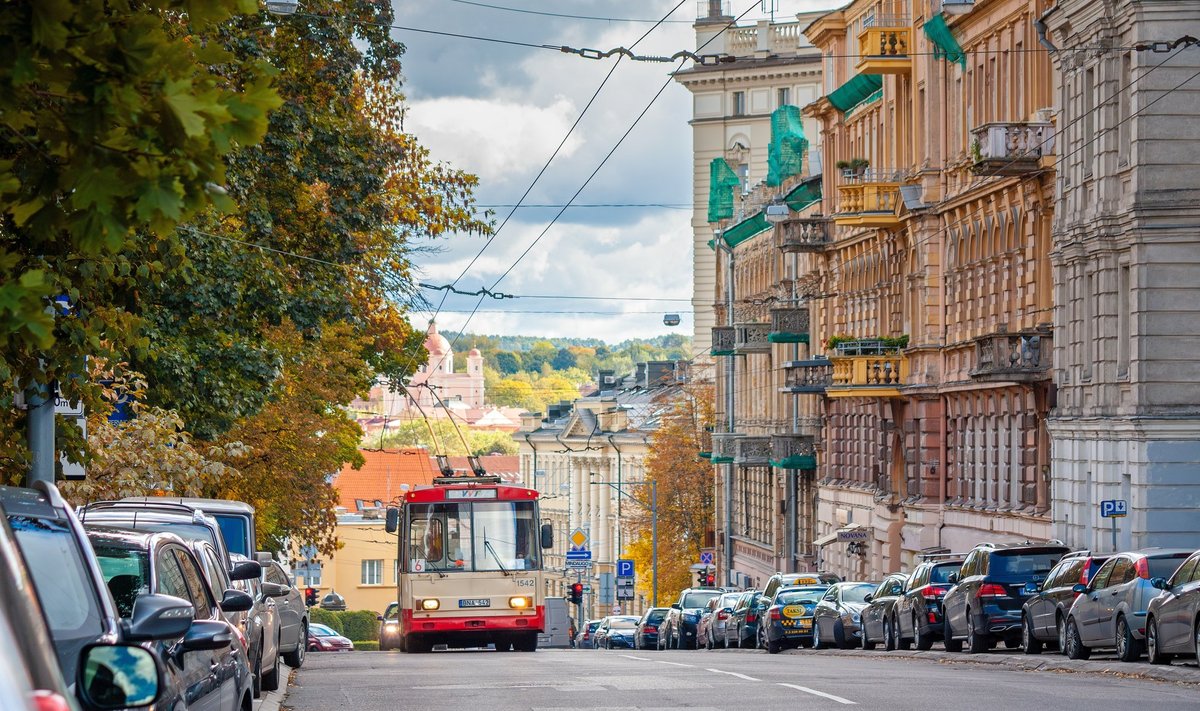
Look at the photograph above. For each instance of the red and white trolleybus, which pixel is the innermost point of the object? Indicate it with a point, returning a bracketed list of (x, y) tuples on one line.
[(469, 567)]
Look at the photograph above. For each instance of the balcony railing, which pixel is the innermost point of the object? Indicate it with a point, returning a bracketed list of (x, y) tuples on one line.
[(789, 325), (867, 375), (793, 451), (803, 234), (723, 339), (884, 46), (1021, 357), (752, 451), (1011, 148), (752, 338), (724, 446), (807, 376), (869, 199)]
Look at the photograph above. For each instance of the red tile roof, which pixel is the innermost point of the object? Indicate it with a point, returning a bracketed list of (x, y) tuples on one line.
[(381, 477)]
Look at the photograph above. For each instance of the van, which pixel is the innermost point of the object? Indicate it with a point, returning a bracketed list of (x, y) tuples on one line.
[(558, 624), (235, 518)]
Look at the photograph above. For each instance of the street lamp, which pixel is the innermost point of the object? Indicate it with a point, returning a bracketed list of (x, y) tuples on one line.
[(619, 488)]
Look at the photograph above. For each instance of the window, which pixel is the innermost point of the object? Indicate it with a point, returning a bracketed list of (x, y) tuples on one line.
[(312, 577), (276, 575), (1101, 579), (785, 96), (1186, 573), (1088, 91), (1123, 110), (197, 590), (360, 504), (126, 573), (1123, 319), (1122, 572), (739, 103), (372, 572)]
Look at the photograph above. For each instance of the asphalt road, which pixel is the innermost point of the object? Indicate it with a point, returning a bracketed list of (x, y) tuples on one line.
[(721, 679)]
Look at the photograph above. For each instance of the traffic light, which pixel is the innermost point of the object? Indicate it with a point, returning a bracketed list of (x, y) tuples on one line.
[(704, 577), (710, 578), (310, 597), (577, 593)]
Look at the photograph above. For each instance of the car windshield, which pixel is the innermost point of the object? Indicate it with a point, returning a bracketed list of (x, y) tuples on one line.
[(1166, 566), (623, 623), (591, 626), (697, 599), (941, 573), (60, 575), (856, 593), (236, 532), (126, 572), (1023, 565), (322, 631), (478, 536), (390, 613), (656, 616), (799, 597)]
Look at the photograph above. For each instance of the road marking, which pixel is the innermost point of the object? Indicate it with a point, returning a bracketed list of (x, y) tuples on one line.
[(674, 664), (640, 659), (814, 692), (740, 676)]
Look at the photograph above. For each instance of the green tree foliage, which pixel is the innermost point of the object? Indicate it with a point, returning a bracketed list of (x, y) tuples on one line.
[(439, 436), (563, 360), (507, 362)]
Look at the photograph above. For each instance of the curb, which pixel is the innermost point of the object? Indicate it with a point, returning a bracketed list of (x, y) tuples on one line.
[(273, 700), (1023, 662)]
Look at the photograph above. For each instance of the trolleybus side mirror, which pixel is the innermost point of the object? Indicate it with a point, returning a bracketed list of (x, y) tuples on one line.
[(392, 520), (547, 535)]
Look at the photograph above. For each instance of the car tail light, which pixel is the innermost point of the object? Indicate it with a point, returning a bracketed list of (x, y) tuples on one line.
[(932, 618), (751, 617), (776, 614), (933, 593), (722, 615), (649, 628), (1142, 568), (44, 700), (1083, 574), (991, 590)]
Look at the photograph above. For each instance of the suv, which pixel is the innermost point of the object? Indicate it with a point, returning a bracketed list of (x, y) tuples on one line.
[(984, 605), (235, 518), (918, 613), (678, 629), (1044, 615)]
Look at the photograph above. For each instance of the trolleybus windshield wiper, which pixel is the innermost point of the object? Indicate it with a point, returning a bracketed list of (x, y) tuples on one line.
[(434, 568), (488, 545)]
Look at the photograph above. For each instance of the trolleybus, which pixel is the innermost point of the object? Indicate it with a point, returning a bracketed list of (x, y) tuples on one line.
[(469, 565)]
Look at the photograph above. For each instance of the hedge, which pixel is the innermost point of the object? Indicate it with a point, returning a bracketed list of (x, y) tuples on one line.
[(326, 617), (366, 646), (359, 625)]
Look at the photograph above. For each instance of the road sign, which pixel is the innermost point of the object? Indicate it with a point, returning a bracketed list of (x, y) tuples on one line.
[(855, 535), (706, 558), (616, 608), (579, 555), (624, 588), (624, 568), (579, 564), (1114, 508), (606, 589), (587, 588), (579, 539)]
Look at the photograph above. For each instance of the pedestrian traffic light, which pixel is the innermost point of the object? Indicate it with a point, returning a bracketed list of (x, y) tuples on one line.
[(310, 597), (577, 593)]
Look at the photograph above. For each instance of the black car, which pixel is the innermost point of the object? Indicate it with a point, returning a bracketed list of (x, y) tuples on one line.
[(878, 617), (389, 627), (678, 630), (984, 606), (788, 621), (1044, 614), (837, 618), (207, 659), (293, 615), (918, 612), (743, 621), (616, 632), (648, 626)]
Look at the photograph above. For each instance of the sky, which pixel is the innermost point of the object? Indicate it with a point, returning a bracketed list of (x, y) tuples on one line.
[(499, 111)]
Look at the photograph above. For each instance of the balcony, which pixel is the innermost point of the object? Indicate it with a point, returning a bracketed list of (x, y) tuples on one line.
[(883, 46), (1013, 357), (793, 451), (1011, 148), (724, 447), (789, 325), (868, 368), (752, 338), (869, 199), (807, 376), (803, 234), (723, 340), (752, 451)]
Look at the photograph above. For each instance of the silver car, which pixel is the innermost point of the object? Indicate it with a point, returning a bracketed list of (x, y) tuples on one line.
[(1173, 618), (260, 625), (711, 632), (1110, 612)]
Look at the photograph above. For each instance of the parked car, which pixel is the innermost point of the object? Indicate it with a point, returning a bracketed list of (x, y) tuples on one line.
[(584, 639), (792, 580), (648, 626), (879, 616), (917, 618), (742, 625), (260, 627), (1044, 614), (789, 619), (30, 675), (206, 662), (389, 627), (322, 638), (984, 606), (711, 630), (837, 617), (293, 615), (678, 630), (1173, 618), (1110, 612), (235, 518), (616, 632)]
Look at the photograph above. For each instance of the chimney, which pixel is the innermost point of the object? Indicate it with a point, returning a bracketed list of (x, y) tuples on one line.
[(640, 376), (530, 421), (606, 380), (660, 373)]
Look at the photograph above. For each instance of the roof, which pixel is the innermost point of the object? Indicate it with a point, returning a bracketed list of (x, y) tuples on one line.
[(385, 476)]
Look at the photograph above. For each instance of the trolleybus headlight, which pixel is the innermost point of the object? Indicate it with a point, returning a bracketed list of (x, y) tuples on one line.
[(428, 604), (520, 602)]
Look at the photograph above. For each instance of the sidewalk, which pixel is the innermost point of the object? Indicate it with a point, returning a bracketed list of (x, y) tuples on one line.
[(271, 700)]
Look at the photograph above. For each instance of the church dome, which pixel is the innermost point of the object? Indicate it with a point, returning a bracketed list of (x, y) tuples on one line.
[(474, 353), (435, 342)]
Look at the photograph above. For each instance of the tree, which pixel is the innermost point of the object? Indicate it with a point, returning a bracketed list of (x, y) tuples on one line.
[(563, 360), (511, 392), (508, 363), (685, 491)]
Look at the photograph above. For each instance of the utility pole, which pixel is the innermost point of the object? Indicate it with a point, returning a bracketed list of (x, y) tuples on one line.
[(39, 401), (619, 487)]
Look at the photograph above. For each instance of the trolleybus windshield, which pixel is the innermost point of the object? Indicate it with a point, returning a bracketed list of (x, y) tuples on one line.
[(479, 536)]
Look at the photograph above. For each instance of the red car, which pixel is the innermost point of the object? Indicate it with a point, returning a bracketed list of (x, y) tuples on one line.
[(323, 639)]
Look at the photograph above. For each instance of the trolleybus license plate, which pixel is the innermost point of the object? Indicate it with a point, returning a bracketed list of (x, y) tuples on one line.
[(475, 602)]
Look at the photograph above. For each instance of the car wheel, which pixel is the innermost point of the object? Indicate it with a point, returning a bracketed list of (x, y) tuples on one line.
[(708, 642), (952, 645), (1129, 648), (898, 642), (295, 658), (839, 635), (1029, 643), (817, 642), (270, 680), (977, 642), (924, 641), (867, 644), (256, 682), (1074, 648), (1060, 630), (1154, 653), (773, 647)]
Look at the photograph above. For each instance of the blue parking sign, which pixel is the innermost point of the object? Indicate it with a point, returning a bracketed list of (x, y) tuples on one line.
[(624, 568), (1114, 508)]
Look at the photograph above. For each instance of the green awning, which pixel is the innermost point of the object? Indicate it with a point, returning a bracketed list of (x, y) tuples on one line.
[(706, 455), (855, 91), (717, 459), (746, 229), (785, 337), (716, 352), (946, 47), (796, 461), (865, 102), (804, 194)]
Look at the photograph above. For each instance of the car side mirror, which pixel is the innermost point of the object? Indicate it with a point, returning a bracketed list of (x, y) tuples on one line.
[(207, 635), (236, 601), (245, 570), (118, 676), (379, 617), (1079, 588), (868, 597), (547, 535), (952, 578), (1160, 583), (157, 617), (391, 519), (675, 606), (275, 590)]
